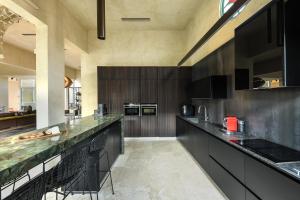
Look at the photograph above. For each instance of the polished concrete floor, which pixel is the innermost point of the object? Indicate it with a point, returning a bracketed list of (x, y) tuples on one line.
[(156, 170)]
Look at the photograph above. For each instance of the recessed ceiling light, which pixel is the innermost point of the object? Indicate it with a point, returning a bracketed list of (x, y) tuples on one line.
[(136, 19)]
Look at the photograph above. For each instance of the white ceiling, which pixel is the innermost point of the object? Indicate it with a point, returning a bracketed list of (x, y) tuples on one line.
[(164, 14), (14, 36)]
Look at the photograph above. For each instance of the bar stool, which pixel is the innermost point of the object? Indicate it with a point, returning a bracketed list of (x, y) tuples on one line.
[(69, 172), (34, 189), (97, 147)]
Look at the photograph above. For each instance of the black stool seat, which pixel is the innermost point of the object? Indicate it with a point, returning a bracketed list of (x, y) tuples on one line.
[(97, 149), (69, 172)]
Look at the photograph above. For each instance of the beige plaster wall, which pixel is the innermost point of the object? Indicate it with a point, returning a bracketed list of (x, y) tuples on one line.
[(207, 15), (127, 48)]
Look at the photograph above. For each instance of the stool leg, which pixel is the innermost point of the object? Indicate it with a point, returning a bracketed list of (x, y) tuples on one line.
[(111, 181)]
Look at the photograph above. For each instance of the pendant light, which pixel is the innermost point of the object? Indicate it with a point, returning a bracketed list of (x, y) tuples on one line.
[(101, 19)]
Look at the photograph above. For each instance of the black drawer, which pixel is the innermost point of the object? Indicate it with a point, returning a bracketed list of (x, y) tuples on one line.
[(250, 196), (233, 189), (229, 157), (269, 184)]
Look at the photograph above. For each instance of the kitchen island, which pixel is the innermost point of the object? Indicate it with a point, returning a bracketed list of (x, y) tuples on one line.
[(17, 156)]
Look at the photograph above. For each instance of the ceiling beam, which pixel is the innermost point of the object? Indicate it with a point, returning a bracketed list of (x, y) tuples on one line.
[(101, 19), (217, 26)]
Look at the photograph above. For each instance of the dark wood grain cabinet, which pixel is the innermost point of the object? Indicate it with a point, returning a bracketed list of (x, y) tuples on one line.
[(167, 101)]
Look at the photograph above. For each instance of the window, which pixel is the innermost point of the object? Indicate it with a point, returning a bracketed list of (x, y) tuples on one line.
[(225, 5), (28, 93)]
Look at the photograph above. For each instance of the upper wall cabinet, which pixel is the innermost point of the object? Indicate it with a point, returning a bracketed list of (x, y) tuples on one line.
[(266, 48), (212, 87)]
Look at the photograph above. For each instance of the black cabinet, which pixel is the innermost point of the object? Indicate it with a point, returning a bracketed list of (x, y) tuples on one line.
[(228, 184), (229, 157), (251, 196), (194, 140), (237, 174), (267, 183), (95, 165), (212, 87), (266, 48)]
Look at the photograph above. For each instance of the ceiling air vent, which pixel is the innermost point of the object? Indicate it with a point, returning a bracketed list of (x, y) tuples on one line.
[(136, 19)]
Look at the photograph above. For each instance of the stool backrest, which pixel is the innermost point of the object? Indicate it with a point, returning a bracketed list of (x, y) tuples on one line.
[(69, 167), (32, 190)]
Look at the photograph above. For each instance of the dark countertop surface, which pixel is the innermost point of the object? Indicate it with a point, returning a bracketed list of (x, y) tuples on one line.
[(18, 156), (215, 131)]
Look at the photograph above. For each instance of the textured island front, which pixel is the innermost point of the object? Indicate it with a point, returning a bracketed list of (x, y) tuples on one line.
[(17, 156)]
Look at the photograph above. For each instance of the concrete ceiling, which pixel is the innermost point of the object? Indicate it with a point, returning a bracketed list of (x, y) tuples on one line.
[(14, 36), (164, 14)]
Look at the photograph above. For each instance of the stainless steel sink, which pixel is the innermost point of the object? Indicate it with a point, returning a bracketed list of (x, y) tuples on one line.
[(291, 167)]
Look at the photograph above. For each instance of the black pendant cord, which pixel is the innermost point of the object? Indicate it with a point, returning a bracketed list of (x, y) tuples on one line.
[(101, 19)]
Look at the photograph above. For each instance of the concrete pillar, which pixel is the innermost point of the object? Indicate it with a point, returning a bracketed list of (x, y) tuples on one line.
[(49, 76)]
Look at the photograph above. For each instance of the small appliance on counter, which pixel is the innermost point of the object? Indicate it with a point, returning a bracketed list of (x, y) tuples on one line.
[(187, 110), (101, 111), (131, 109), (233, 125)]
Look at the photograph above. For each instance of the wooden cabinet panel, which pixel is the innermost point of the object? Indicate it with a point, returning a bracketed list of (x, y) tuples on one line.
[(132, 126), (131, 91), (149, 126), (118, 73), (229, 185), (149, 91), (167, 107), (268, 183), (229, 157), (167, 73), (149, 73)]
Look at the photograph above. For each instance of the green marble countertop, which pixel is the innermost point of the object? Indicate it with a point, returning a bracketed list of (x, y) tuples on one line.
[(18, 156)]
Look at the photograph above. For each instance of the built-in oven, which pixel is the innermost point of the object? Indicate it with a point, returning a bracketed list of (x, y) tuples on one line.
[(149, 109), (131, 109)]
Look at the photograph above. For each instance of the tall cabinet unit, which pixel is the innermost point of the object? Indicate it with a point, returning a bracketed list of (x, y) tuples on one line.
[(164, 86), (167, 101), (149, 86)]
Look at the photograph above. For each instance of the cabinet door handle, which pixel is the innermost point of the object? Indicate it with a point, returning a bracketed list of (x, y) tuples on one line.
[(269, 25), (280, 23)]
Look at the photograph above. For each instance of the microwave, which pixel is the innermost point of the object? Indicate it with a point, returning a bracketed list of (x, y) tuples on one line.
[(132, 109), (149, 109)]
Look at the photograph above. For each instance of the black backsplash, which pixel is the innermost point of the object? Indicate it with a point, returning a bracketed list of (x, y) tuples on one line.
[(270, 114)]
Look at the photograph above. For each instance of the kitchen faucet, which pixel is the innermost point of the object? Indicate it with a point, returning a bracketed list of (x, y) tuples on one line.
[(200, 113)]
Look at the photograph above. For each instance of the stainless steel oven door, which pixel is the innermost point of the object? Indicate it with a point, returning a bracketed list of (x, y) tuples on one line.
[(131, 110), (149, 109)]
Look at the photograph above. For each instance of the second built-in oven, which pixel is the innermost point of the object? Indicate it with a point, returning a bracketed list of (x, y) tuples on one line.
[(132, 109), (149, 109)]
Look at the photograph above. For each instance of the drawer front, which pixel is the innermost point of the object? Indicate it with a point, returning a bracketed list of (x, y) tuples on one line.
[(250, 196), (230, 158), (227, 183), (267, 183)]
